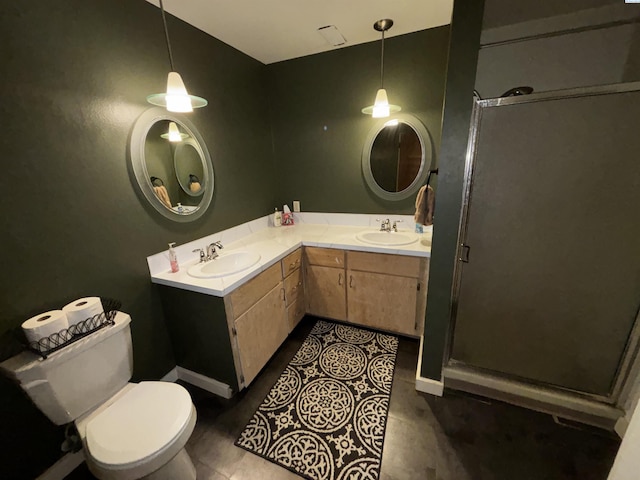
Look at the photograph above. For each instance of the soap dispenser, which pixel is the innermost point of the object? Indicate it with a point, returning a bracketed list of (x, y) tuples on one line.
[(277, 218), (173, 258)]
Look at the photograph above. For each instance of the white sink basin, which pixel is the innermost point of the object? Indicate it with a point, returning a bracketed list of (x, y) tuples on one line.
[(225, 264), (387, 238)]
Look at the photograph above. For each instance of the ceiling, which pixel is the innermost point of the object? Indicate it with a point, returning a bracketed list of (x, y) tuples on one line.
[(276, 30)]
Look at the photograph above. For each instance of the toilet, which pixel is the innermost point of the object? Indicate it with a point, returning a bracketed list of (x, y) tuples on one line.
[(128, 430)]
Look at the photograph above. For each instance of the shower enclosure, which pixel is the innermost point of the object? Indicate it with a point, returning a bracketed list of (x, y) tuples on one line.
[(547, 290)]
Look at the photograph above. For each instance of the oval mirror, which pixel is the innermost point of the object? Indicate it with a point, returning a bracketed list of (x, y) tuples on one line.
[(174, 174), (396, 157)]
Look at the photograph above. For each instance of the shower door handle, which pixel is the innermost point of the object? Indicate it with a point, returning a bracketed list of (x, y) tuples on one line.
[(464, 253)]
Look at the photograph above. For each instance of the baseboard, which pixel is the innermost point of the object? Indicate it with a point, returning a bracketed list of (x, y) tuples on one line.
[(171, 376), (206, 383), (427, 385), (63, 467)]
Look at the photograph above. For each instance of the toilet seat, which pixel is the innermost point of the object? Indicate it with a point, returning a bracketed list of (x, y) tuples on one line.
[(140, 425)]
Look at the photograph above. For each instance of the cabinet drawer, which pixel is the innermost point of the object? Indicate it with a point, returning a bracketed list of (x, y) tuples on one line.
[(326, 257), (293, 287), (291, 262), (295, 312), (241, 299), (400, 265)]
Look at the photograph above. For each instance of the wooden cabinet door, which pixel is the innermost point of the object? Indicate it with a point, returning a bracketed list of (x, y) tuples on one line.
[(325, 292), (387, 302), (295, 312), (260, 331)]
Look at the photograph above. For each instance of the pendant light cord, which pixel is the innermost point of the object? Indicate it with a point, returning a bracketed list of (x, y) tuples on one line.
[(381, 61), (166, 34)]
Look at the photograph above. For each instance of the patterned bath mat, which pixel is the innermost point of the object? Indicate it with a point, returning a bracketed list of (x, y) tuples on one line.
[(325, 417)]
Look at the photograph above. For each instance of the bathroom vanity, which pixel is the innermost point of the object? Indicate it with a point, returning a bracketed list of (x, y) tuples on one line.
[(375, 290), (226, 329)]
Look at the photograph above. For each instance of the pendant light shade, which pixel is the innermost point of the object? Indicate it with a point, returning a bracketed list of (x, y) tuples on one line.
[(174, 135), (381, 107), (176, 99)]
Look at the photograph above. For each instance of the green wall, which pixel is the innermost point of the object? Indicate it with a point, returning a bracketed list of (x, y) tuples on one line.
[(466, 25), (75, 77), (319, 131)]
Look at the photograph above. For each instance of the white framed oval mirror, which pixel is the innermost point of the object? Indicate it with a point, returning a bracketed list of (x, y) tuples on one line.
[(175, 177), (396, 157)]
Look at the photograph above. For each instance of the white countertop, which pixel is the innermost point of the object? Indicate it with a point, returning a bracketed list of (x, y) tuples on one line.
[(273, 244)]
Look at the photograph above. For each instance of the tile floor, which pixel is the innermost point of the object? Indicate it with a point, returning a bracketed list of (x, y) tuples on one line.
[(455, 437)]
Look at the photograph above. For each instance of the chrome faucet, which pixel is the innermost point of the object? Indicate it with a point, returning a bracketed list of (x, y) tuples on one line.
[(395, 225), (211, 250), (385, 226)]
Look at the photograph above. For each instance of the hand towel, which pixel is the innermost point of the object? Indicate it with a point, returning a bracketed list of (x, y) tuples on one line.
[(425, 206), (163, 195)]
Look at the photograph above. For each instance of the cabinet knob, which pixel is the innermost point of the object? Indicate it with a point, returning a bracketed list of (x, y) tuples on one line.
[(340, 279), (350, 281)]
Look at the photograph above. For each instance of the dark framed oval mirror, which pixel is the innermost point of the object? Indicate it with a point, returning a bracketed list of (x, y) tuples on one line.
[(396, 157), (174, 174)]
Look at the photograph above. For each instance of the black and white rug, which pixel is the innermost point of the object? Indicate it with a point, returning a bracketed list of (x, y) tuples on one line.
[(325, 417)]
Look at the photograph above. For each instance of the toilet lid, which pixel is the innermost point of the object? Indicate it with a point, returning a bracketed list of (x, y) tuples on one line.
[(139, 424)]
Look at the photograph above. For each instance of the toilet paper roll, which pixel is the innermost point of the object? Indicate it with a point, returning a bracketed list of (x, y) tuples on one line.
[(45, 324), (82, 308)]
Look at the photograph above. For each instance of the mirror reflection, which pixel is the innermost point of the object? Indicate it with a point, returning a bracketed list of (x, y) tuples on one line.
[(172, 165), (188, 167), (169, 165), (396, 157)]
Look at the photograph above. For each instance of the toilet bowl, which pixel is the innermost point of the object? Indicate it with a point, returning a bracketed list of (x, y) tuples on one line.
[(134, 435), (128, 430)]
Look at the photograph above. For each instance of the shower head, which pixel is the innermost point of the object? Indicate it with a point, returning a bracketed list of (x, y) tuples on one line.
[(514, 92)]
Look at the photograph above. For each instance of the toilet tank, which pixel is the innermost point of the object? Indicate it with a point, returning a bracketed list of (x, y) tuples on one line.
[(79, 377)]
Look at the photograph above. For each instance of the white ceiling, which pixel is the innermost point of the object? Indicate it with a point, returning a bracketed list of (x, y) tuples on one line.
[(275, 30)]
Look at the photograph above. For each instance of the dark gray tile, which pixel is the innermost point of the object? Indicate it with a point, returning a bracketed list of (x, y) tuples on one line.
[(253, 467), (203, 472), (408, 404), (409, 451)]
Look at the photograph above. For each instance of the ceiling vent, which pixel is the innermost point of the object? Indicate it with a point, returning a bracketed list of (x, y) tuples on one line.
[(332, 35)]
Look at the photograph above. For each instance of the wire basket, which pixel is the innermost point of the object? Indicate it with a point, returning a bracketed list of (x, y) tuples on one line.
[(54, 342)]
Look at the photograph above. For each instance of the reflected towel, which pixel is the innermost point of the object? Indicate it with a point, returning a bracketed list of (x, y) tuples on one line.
[(163, 195), (425, 205)]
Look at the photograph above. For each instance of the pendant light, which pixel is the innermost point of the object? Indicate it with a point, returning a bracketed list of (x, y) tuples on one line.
[(176, 99), (173, 134), (381, 107)]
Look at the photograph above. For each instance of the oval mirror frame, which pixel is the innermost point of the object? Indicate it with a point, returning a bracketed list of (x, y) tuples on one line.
[(427, 157), (137, 157)]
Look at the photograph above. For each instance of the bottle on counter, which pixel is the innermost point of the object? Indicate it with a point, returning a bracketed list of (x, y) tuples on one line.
[(277, 218), (173, 258)]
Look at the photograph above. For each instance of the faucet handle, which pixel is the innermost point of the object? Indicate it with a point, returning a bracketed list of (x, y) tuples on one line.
[(202, 254), (384, 224)]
